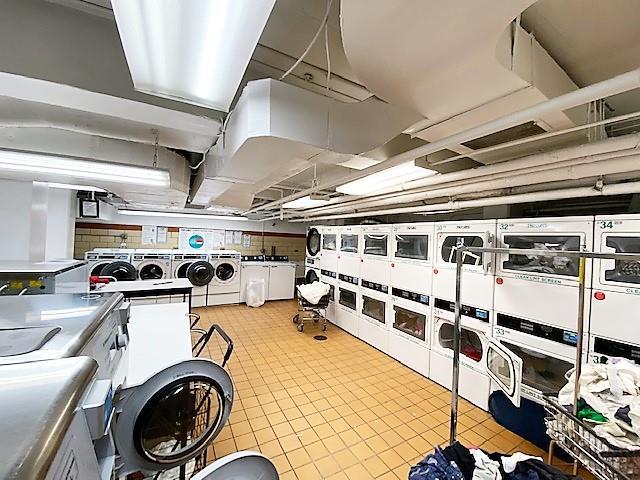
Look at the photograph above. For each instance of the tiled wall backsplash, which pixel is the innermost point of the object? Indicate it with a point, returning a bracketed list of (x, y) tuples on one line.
[(94, 235)]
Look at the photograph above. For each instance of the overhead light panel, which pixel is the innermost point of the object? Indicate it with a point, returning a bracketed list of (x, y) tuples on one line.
[(151, 213), (385, 180), (67, 186), (194, 52), (49, 167), (305, 202)]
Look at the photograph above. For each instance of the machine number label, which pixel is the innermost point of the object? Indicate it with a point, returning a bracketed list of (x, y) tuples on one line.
[(503, 226), (606, 224), (500, 332)]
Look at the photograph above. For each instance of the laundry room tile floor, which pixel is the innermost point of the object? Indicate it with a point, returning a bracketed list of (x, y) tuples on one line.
[(334, 409)]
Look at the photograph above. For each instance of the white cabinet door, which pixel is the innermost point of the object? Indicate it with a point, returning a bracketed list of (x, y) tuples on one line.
[(282, 279)]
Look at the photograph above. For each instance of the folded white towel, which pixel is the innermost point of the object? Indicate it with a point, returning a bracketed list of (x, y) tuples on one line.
[(313, 292)]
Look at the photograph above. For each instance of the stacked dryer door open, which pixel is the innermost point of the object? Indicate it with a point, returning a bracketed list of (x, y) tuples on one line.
[(614, 325), (373, 324)]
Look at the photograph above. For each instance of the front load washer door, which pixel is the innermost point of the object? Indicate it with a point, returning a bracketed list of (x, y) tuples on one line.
[(200, 273), (150, 271), (121, 271), (97, 268), (313, 242), (172, 417), (225, 272)]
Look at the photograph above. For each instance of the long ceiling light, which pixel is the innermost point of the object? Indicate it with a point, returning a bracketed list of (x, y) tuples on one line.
[(48, 167), (151, 213), (194, 52), (67, 186), (386, 180), (305, 202)]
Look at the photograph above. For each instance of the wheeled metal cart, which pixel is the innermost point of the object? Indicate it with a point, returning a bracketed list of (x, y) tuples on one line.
[(308, 311)]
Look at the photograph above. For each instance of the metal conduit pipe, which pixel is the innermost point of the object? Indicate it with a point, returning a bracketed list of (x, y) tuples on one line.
[(540, 174), (619, 84), (606, 190)]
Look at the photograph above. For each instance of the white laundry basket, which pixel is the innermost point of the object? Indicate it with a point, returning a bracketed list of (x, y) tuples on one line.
[(256, 292)]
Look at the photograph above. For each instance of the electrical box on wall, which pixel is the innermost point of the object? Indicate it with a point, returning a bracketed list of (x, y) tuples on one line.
[(96, 209)]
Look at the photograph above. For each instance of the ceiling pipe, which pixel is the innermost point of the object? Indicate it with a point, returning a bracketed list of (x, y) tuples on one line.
[(580, 192), (615, 85)]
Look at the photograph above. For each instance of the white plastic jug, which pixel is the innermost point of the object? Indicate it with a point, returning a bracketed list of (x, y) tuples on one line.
[(256, 292)]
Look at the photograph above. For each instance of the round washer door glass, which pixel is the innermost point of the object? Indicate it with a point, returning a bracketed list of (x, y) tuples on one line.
[(313, 242), (225, 271), (151, 271), (181, 271), (200, 273), (173, 416)]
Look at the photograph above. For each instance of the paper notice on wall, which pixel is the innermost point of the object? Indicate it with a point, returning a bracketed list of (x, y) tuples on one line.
[(228, 237), (200, 239), (237, 237), (246, 240), (148, 235), (162, 234)]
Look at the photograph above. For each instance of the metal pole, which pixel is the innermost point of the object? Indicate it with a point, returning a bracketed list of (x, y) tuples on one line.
[(456, 350), (578, 368)]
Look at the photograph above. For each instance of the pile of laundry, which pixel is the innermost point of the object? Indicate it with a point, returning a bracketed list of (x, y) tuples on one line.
[(457, 462), (609, 400), (313, 292)]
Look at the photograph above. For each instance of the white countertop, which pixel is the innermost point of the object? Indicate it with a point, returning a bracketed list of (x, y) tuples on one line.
[(57, 266), (159, 336), (138, 285)]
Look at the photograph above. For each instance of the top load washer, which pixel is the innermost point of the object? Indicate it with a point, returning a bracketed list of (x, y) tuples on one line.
[(543, 289), (152, 264), (313, 246), (412, 260), (349, 250), (615, 300), (99, 258), (225, 286), (197, 268), (376, 254), (477, 276), (329, 252)]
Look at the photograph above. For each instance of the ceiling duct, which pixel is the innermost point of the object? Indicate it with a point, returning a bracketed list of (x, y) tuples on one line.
[(278, 130), (456, 73)]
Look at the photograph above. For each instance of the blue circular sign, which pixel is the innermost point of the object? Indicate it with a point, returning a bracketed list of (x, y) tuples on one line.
[(196, 241)]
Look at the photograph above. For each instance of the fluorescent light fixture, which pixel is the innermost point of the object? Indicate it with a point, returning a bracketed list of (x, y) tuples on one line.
[(195, 51), (151, 213), (67, 186), (305, 202), (385, 179), (53, 166)]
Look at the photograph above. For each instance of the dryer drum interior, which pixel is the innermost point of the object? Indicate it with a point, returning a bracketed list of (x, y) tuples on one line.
[(151, 271), (200, 273)]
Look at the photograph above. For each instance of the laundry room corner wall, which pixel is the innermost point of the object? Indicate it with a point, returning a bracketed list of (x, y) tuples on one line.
[(15, 218)]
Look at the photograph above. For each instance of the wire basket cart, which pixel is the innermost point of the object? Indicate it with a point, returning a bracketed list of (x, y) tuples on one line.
[(308, 311)]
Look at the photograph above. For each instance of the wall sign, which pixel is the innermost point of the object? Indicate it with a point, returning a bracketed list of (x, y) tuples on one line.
[(148, 235), (200, 239)]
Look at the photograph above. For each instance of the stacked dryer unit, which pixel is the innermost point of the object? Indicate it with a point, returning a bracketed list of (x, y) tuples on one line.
[(477, 307), (346, 291), (152, 264), (312, 257), (329, 266), (536, 303), (197, 268), (375, 275), (411, 294), (614, 331)]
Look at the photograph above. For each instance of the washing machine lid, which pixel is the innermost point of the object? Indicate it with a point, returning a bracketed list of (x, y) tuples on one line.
[(313, 242), (172, 417), (200, 273), (120, 270), (225, 271), (150, 270)]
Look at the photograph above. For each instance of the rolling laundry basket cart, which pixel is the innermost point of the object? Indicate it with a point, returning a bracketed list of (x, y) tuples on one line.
[(308, 311)]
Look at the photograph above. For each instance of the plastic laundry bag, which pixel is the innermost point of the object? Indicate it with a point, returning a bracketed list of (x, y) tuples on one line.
[(256, 292)]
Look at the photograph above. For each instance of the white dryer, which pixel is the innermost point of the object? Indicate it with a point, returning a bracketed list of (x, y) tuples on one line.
[(152, 264), (224, 289), (99, 258), (410, 317), (197, 268), (374, 315), (329, 250), (348, 306), (412, 257), (476, 330), (616, 287), (376, 254), (330, 311), (313, 246), (349, 259), (543, 288), (478, 269)]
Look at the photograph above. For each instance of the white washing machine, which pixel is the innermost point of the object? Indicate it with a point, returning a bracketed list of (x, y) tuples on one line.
[(197, 268), (329, 250), (478, 269), (99, 258), (540, 288), (313, 246), (376, 253), (615, 300), (412, 257), (410, 318), (224, 289), (374, 315), (528, 359), (474, 383), (349, 259), (348, 306), (152, 264)]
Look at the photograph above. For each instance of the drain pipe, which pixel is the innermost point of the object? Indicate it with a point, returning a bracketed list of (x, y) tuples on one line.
[(605, 190), (619, 84)]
